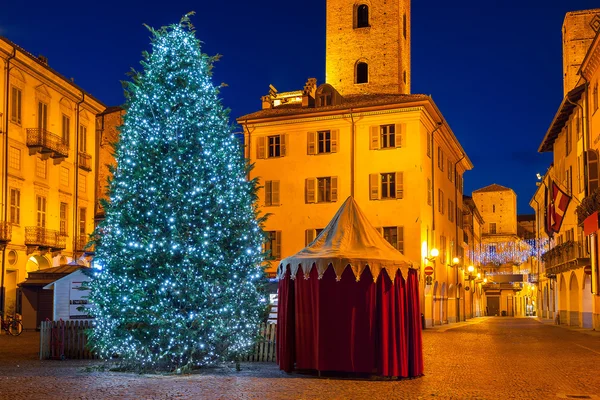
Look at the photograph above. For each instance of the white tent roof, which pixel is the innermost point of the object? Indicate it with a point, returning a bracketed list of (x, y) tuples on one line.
[(348, 240)]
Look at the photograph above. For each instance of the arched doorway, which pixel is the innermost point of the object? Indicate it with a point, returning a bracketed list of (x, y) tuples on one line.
[(35, 263), (444, 304), (573, 301), (453, 311), (586, 302), (562, 300), (437, 314), (545, 302)]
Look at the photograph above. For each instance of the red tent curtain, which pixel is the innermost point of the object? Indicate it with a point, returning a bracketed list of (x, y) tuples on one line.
[(350, 326)]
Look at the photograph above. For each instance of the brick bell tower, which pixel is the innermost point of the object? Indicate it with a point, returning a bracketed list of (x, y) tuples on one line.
[(368, 46)]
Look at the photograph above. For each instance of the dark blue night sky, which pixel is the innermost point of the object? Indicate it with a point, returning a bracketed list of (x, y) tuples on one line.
[(494, 68)]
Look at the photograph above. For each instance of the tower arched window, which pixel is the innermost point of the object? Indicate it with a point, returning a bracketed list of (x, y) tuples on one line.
[(362, 16), (362, 72)]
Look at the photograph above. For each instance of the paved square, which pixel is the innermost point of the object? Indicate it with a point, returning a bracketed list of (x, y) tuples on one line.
[(487, 358)]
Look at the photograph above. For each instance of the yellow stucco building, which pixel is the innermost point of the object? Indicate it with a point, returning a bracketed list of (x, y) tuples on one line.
[(47, 173), (361, 134), (569, 289)]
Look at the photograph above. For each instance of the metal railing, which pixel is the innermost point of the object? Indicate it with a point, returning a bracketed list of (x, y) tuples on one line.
[(41, 237), (85, 161), (48, 142), (5, 231), (563, 255), (83, 244)]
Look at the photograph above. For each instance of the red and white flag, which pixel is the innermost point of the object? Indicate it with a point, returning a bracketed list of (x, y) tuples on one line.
[(558, 207)]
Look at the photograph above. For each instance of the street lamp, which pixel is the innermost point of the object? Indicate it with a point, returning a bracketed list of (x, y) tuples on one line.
[(433, 255)]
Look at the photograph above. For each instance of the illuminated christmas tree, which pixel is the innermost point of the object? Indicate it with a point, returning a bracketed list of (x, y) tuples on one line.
[(178, 279)]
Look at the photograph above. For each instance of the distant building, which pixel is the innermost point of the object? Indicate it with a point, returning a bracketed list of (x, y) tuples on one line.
[(48, 145), (362, 134)]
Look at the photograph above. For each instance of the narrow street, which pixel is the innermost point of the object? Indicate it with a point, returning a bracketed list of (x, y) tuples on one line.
[(486, 358)]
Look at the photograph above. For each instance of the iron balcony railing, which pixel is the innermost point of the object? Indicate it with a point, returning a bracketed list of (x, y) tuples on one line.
[(85, 161), (45, 142), (60, 242), (41, 237), (83, 244), (565, 256)]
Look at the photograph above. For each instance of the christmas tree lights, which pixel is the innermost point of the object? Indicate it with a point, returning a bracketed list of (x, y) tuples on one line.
[(179, 281)]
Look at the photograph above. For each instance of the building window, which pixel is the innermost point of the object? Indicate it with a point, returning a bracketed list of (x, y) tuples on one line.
[(324, 140), (388, 136), (82, 184), (429, 191), (493, 208), (404, 27), (15, 206), (82, 139), (41, 211), (451, 210), (442, 249), (325, 99), (450, 171), (15, 105), (492, 228), (429, 144), (395, 236), (82, 221), (63, 218), (273, 244), (271, 193), (388, 185), (14, 158), (568, 138), (41, 168), (440, 201), (362, 72), (322, 190), (310, 235), (64, 176), (42, 116), (270, 146), (274, 146), (440, 159), (66, 129), (362, 16)]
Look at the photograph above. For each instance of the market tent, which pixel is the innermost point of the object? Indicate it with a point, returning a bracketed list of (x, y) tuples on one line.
[(349, 302)]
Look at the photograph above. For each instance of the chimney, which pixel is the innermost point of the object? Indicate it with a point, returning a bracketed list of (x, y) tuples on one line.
[(43, 59), (308, 94)]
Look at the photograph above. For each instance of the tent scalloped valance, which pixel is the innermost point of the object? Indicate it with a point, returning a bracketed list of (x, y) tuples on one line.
[(349, 240)]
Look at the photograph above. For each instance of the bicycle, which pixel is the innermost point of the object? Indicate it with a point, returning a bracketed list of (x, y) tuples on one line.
[(10, 325)]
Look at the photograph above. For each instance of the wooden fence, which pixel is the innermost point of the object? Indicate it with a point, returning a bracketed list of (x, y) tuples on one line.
[(65, 339), (265, 348)]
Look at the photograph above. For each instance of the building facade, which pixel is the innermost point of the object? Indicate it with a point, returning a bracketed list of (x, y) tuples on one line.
[(570, 265), (47, 171), (362, 135)]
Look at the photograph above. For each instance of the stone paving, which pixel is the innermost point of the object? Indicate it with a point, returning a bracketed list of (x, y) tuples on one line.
[(486, 358)]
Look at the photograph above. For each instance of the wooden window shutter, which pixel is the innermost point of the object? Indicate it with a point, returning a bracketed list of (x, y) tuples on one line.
[(334, 188), (311, 187), (283, 141), (260, 147), (335, 133), (311, 142), (277, 254), (13, 105), (400, 135), (374, 186), (428, 191), (400, 237), (399, 185), (309, 236), (275, 193), (268, 193), (375, 134), (592, 160)]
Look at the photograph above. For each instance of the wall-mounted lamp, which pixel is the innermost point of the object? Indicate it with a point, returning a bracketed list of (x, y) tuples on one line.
[(433, 254), (455, 261), (471, 269)]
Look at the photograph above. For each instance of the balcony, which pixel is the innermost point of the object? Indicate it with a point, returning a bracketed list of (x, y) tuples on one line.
[(83, 245), (566, 256), (5, 234), (85, 161), (47, 144), (60, 242), (38, 238), (494, 286)]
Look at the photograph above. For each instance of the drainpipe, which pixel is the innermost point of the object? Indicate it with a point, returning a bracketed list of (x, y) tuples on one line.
[(5, 183), (457, 239), (76, 180), (352, 155), (439, 125)]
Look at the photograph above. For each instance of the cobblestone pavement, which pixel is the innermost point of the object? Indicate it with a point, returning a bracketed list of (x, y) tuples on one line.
[(486, 358)]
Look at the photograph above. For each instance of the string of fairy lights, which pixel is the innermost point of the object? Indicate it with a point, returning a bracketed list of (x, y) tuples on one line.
[(514, 252)]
